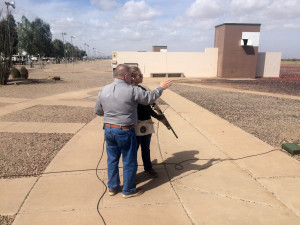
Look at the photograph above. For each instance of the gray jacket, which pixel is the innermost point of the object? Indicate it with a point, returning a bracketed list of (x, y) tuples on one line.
[(118, 102)]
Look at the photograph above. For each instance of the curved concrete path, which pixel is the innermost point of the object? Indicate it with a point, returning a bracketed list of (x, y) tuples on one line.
[(214, 173)]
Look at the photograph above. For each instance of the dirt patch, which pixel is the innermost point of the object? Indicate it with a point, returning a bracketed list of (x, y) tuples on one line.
[(73, 78), (4, 104), (94, 93), (6, 220), (28, 154), (53, 114), (273, 120)]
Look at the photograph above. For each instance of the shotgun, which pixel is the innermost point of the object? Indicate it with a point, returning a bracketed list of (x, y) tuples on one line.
[(159, 112)]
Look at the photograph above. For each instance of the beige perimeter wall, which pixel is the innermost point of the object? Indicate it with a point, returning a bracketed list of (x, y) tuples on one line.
[(268, 64), (190, 64)]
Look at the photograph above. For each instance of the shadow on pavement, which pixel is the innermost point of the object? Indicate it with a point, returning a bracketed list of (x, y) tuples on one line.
[(181, 164)]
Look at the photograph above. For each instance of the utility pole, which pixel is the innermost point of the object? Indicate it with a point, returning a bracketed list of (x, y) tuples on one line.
[(72, 49), (62, 34)]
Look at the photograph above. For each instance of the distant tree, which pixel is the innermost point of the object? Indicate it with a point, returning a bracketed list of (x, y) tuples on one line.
[(78, 53), (35, 37), (25, 34), (3, 37), (8, 36), (57, 48), (83, 53), (42, 37), (13, 34)]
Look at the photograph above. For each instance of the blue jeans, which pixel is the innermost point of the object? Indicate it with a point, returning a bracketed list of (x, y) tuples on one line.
[(144, 141), (121, 142)]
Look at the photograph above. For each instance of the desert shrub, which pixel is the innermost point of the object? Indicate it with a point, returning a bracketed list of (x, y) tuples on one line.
[(15, 73), (24, 72)]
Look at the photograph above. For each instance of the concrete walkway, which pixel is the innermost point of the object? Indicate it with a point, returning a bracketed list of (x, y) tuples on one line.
[(214, 173)]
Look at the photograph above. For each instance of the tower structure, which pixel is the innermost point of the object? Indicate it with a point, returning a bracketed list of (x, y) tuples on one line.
[(238, 49)]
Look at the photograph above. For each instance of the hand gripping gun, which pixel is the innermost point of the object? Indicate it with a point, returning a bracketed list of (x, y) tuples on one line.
[(156, 108)]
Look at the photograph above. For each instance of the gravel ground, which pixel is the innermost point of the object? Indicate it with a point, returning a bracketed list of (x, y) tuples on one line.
[(28, 154), (6, 220), (273, 120), (52, 114), (270, 85)]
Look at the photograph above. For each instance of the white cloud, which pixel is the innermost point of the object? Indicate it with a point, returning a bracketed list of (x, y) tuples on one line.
[(207, 9), (104, 5), (266, 9), (68, 25), (272, 14), (137, 11), (284, 9), (292, 26), (241, 7), (70, 19), (203, 14), (96, 23)]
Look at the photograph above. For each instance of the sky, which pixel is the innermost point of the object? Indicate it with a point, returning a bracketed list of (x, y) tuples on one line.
[(103, 26)]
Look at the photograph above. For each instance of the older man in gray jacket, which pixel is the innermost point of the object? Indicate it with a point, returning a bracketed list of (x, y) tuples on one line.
[(117, 102)]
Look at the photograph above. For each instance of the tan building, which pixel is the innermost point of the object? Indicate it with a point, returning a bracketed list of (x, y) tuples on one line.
[(235, 56)]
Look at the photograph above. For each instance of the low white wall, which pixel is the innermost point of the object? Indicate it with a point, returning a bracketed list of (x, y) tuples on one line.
[(190, 64), (268, 64)]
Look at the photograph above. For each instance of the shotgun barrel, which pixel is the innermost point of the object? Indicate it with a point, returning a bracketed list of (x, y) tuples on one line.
[(167, 124)]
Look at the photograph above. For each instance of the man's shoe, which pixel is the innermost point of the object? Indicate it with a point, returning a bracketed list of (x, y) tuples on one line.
[(134, 194), (114, 191), (151, 173)]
